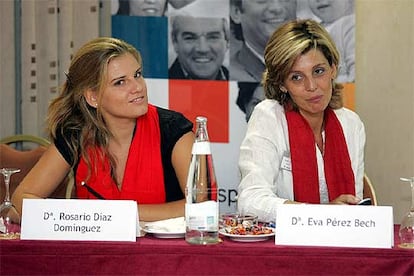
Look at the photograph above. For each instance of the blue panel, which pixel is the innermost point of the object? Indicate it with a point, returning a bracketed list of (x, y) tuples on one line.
[(149, 35)]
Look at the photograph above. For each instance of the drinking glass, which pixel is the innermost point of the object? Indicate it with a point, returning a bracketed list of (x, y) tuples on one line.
[(407, 224), (9, 217)]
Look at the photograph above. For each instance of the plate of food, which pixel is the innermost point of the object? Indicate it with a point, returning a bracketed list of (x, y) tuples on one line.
[(166, 229), (244, 228), (264, 234)]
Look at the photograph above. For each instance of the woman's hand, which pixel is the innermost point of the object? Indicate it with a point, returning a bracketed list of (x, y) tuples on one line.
[(346, 199)]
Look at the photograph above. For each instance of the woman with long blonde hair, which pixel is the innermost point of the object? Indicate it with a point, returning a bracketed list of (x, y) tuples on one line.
[(117, 144)]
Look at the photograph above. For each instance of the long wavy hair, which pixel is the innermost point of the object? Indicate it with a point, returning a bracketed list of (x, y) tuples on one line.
[(82, 126), (287, 43)]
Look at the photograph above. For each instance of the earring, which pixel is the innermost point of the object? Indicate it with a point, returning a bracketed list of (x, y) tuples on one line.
[(283, 89), (283, 95)]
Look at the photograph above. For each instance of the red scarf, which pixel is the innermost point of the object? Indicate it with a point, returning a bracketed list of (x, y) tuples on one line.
[(143, 178), (338, 171)]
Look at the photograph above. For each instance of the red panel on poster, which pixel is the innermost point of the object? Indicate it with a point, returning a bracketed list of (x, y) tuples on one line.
[(203, 98)]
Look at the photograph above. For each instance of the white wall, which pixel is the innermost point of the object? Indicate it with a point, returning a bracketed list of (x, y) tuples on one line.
[(385, 96)]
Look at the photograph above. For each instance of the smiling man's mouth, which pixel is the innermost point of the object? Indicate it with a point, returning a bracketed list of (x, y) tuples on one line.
[(150, 10), (202, 59), (274, 20), (322, 7)]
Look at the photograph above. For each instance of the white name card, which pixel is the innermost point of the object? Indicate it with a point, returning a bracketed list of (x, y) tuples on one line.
[(77, 219), (335, 225)]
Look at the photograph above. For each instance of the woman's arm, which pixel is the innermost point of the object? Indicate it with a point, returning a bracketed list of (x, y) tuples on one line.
[(263, 184), (181, 158), (43, 178)]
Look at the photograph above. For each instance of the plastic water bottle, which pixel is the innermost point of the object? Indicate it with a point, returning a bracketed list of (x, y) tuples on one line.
[(202, 207)]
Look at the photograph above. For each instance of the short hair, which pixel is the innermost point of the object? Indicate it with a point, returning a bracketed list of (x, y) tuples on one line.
[(287, 43), (175, 29)]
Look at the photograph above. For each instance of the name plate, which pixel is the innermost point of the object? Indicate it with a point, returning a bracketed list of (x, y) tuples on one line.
[(335, 225), (77, 219)]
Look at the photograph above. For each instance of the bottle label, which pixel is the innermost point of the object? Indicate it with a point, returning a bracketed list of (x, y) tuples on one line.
[(202, 216), (201, 148)]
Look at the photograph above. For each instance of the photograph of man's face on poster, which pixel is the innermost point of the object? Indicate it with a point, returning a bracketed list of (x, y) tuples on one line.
[(200, 45), (206, 57)]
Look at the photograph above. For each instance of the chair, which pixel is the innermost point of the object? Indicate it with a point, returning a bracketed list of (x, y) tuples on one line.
[(30, 155), (369, 191), (20, 138)]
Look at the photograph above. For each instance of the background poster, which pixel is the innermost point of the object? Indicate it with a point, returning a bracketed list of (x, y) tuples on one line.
[(230, 36)]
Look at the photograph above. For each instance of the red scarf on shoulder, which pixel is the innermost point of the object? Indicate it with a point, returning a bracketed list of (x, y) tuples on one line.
[(143, 178), (338, 170)]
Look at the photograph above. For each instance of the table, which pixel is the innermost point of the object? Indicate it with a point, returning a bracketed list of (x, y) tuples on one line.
[(149, 255)]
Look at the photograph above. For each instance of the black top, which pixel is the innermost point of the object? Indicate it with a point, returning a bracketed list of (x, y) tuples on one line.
[(173, 126)]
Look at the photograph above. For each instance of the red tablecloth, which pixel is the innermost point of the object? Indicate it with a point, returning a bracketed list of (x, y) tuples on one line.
[(152, 256)]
